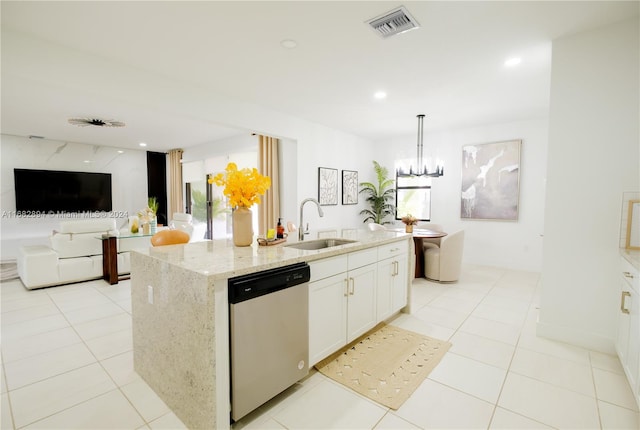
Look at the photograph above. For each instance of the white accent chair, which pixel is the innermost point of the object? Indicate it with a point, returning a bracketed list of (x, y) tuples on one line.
[(430, 242), (376, 227), (74, 254), (443, 263), (182, 221)]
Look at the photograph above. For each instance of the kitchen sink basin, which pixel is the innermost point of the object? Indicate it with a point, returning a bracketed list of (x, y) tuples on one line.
[(319, 244)]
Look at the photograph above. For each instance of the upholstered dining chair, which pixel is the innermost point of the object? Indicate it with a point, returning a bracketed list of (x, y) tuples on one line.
[(443, 263), (169, 237), (430, 242)]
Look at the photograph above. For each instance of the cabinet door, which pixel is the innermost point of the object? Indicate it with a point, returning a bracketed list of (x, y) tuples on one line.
[(384, 297), (327, 316), (400, 283), (361, 315), (633, 351)]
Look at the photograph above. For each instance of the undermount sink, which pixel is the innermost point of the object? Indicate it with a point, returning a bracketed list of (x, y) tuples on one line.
[(320, 244)]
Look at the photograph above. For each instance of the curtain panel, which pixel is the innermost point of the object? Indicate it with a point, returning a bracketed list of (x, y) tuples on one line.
[(269, 208), (175, 182)]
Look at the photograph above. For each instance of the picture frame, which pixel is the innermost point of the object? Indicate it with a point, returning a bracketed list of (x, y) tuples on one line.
[(491, 181), (327, 186), (349, 187)]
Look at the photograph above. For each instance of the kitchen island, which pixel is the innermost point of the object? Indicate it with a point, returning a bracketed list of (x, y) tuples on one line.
[(180, 312)]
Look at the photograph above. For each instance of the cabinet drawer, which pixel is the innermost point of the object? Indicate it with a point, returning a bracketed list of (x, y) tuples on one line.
[(326, 267), (391, 250), (630, 274), (362, 258)]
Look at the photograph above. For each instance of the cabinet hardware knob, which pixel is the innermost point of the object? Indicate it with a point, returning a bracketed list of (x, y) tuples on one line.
[(623, 309), (627, 275)]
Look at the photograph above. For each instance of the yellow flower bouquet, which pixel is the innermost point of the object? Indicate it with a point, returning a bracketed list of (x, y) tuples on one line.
[(242, 187)]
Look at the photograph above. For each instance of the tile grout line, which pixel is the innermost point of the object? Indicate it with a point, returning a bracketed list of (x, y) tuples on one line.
[(99, 362)]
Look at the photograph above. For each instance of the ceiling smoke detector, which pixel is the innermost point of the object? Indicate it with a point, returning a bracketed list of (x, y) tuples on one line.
[(395, 22), (95, 122)]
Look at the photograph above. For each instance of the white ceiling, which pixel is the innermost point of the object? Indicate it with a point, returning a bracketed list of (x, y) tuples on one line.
[(451, 69)]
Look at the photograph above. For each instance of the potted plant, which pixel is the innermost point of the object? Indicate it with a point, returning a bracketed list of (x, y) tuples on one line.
[(409, 221), (379, 196)]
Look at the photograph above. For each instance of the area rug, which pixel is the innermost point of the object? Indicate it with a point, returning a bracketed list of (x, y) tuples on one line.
[(8, 271), (386, 365)]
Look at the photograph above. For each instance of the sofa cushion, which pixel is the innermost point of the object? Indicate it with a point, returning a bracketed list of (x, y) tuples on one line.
[(76, 244), (93, 225), (79, 269), (37, 266), (181, 216)]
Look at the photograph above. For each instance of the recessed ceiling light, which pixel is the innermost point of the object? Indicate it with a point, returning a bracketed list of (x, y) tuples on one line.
[(87, 161), (120, 151), (380, 95), (142, 144), (289, 44), (512, 62)]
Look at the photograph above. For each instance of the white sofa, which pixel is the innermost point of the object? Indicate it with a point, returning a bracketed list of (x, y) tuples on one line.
[(182, 221), (74, 254)]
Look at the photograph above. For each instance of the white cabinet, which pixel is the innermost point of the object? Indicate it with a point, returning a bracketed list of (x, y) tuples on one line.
[(327, 316), (342, 304), (361, 306), (392, 279), (628, 339), (348, 295)]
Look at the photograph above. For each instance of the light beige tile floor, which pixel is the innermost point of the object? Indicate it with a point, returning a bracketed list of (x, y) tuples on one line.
[(67, 363)]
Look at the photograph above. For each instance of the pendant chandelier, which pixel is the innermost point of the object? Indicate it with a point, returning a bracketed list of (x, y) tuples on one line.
[(421, 168)]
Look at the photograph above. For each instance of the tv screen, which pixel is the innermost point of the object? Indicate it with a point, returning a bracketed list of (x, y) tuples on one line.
[(59, 192)]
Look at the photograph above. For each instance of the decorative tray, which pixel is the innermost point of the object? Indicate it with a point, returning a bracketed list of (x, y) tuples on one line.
[(264, 242)]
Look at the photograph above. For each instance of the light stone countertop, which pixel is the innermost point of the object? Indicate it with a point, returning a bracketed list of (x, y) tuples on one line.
[(632, 256), (220, 259)]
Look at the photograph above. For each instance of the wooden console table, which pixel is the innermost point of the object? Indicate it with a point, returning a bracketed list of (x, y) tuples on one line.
[(110, 256)]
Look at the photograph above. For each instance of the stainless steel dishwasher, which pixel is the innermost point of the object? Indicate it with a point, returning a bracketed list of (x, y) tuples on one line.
[(269, 334)]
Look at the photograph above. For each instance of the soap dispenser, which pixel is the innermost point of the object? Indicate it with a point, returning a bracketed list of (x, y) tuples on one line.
[(280, 229)]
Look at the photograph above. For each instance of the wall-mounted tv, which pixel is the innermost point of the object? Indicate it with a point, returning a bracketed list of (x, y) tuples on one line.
[(53, 191)]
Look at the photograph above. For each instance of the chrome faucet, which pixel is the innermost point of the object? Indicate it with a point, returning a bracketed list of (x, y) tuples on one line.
[(301, 232)]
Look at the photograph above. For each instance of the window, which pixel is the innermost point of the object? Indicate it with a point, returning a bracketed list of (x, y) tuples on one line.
[(413, 196)]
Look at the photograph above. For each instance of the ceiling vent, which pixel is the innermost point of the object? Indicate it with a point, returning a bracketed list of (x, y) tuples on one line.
[(394, 22), (95, 122)]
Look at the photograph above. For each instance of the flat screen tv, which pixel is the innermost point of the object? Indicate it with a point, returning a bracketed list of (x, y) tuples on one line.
[(53, 191)]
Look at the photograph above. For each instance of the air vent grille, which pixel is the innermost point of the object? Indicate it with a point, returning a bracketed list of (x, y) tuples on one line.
[(394, 22), (95, 122)]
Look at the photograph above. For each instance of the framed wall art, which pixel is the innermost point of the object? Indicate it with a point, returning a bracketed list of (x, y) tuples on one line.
[(327, 186), (349, 187), (491, 181)]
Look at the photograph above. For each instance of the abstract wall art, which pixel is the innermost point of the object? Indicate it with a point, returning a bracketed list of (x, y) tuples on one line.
[(491, 181), (349, 187), (327, 186)]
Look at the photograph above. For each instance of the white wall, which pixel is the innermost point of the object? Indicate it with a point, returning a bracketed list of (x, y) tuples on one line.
[(593, 158), (304, 149), (129, 183), (510, 244)]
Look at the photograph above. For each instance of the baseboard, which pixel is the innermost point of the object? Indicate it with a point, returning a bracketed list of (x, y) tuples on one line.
[(576, 337)]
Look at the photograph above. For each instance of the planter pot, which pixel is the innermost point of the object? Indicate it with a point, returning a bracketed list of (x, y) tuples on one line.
[(242, 226), (408, 228)]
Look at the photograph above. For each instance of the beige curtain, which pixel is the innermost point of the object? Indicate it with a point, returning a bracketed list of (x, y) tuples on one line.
[(269, 208), (175, 183)]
